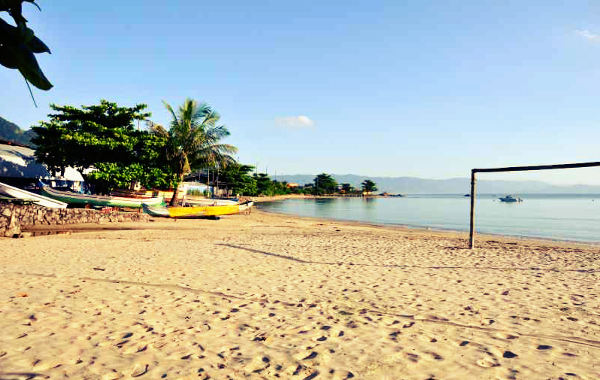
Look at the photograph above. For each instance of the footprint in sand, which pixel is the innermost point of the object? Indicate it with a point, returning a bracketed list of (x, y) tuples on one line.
[(434, 356), (139, 370), (505, 335), (487, 363)]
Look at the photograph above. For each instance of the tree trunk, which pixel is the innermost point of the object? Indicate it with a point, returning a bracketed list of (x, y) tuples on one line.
[(175, 192)]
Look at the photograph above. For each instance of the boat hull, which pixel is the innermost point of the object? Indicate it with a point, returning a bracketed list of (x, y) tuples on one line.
[(98, 200), (510, 199), (195, 211), (40, 200)]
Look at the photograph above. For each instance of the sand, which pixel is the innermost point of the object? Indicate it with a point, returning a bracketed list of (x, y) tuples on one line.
[(264, 296)]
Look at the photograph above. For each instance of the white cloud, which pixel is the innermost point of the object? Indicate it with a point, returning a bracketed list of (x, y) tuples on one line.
[(588, 35), (295, 122)]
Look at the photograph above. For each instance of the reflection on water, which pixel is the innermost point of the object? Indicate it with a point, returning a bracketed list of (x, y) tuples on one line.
[(324, 202), (562, 217)]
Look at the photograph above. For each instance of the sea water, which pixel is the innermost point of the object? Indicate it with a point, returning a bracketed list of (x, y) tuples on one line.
[(559, 217)]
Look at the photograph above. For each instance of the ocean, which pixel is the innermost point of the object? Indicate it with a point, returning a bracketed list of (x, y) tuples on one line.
[(566, 217)]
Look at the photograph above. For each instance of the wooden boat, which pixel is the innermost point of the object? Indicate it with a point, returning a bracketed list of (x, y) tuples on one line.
[(510, 199), (24, 195), (196, 211), (195, 201), (97, 200)]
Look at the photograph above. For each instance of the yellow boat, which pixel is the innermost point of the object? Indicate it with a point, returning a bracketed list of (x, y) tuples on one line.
[(196, 211)]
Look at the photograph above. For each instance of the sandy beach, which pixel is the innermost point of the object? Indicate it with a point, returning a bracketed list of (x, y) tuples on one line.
[(265, 296)]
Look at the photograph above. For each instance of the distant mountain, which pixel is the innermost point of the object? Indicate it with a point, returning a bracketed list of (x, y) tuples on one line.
[(412, 185), (11, 132)]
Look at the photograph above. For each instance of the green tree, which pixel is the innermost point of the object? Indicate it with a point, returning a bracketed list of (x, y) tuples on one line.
[(103, 137), (18, 44), (347, 188), (368, 186), (263, 184), (279, 188), (325, 184), (238, 180), (194, 140)]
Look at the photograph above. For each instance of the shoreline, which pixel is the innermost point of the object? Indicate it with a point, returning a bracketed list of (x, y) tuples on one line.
[(98, 227), (429, 229)]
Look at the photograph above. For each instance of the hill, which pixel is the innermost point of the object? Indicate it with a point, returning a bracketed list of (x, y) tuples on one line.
[(412, 185), (11, 132)]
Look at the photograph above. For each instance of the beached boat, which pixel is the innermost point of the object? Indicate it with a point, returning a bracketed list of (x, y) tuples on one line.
[(194, 201), (97, 200), (510, 199), (196, 211), (14, 192)]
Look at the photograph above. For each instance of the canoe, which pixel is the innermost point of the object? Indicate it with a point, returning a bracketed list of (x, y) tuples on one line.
[(97, 200), (24, 195), (210, 202), (195, 211)]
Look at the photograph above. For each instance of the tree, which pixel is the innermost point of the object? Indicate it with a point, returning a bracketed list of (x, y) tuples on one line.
[(325, 184), (263, 184), (347, 188), (238, 180), (368, 186), (193, 140), (102, 137), (18, 44)]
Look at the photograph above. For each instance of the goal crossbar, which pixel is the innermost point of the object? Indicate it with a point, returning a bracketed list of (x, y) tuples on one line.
[(512, 169)]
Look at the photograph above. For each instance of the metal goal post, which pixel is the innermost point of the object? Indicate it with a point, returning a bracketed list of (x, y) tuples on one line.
[(511, 169)]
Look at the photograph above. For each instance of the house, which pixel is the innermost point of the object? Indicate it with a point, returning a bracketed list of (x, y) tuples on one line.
[(18, 168)]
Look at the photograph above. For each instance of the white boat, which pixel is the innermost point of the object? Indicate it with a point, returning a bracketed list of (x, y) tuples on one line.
[(98, 200), (510, 199), (40, 200)]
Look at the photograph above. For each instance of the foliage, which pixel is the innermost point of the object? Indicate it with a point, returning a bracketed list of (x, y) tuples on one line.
[(347, 188), (238, 180), (18, 44), (324, 184), (194, 140), (368, 186), (263, 184), (102, 137)]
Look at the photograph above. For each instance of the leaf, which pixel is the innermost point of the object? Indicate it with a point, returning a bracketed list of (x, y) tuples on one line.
[(7, 60), (16, 54), (38, 46), (28, 66)]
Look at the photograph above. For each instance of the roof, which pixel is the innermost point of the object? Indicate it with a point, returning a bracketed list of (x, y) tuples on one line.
[(19, 162)]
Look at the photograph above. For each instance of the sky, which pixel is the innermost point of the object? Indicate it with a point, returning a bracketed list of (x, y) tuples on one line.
[(426, 89)]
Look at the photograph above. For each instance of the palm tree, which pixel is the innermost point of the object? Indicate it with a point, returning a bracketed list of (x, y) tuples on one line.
[(194, 140)]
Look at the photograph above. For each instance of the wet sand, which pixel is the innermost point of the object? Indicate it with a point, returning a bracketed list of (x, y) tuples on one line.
[(267, 296)]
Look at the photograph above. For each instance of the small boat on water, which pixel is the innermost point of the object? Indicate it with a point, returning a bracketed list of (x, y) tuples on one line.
[(196, 211), (510, 199), (14, 192), (97, 200)]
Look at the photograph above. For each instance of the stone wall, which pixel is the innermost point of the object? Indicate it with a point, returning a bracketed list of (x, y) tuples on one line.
[(15, 217)]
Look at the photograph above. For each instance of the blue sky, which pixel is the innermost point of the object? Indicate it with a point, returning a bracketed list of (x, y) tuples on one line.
[(380, 88)]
